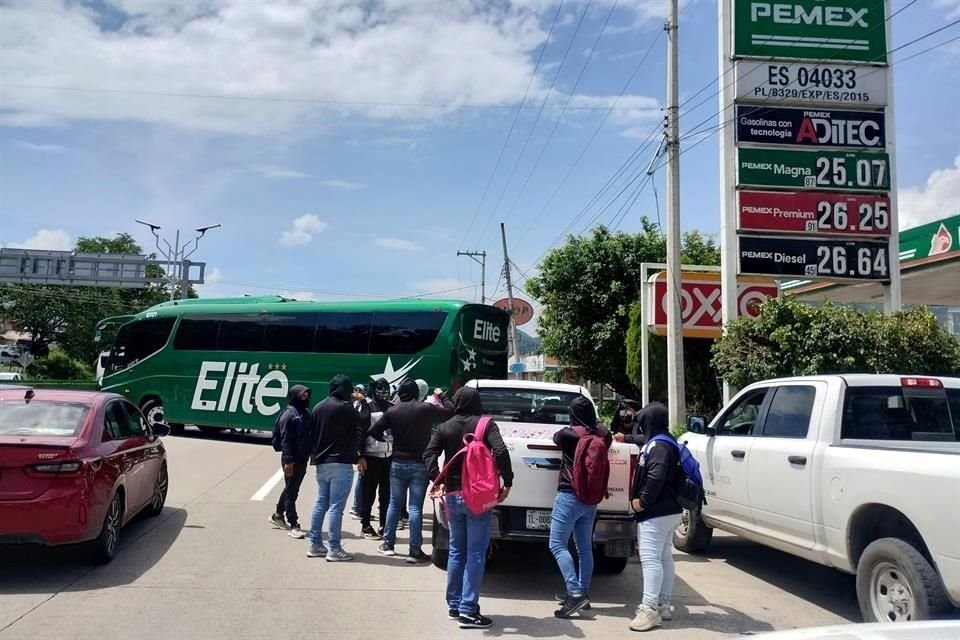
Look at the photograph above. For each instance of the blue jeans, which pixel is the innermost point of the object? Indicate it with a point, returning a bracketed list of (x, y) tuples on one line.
[(333, 489), (469, 539), (406, 475), (357, 492), (572, 517), (655, 539)]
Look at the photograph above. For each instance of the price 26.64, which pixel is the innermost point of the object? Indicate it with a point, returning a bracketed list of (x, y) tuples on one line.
[(838, 261)]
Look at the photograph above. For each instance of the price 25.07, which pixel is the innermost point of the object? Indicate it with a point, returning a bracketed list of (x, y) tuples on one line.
[(845, 172)]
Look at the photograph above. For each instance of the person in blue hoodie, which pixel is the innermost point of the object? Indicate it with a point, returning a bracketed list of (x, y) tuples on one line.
[(296, 444)]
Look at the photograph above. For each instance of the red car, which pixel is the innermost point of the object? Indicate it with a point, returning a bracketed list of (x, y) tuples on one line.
[(76, 466)]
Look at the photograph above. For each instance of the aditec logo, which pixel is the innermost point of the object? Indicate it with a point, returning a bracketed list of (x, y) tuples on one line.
[(243, 388)]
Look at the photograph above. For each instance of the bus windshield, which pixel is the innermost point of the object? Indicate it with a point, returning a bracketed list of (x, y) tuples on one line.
[(230, 365)]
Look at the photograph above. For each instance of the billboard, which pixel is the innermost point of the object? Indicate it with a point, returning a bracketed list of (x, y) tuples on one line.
[(789, 169), (811, 83), (814, 257), (814, 128), (700, 302), (814, 212), (847, 30)]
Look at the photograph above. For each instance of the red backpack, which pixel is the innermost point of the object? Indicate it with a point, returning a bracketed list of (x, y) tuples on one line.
[(591, 467), (480, 477)]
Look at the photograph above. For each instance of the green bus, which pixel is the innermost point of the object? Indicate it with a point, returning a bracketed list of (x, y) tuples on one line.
[(228, 363)]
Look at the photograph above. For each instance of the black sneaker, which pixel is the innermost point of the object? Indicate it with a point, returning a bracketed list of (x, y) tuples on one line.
[(453, 613), (370, 534), (386, 549), (403, 524), (561, 597), (571, 606), (418, 558), (476, 621)]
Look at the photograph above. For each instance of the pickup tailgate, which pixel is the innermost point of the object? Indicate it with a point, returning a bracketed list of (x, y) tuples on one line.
[(536, 468)]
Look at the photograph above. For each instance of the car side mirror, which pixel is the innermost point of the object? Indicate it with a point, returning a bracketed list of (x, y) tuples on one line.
[(696, 424), (160, 429)]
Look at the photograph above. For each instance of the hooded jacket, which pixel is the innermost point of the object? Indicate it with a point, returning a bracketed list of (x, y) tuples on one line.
[(338, 428), (582, 414), (448, 440), (295, 432), (411, 423), (656, 477)]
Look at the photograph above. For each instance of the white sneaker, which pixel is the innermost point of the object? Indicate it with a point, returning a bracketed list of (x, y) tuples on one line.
[(647, 618), (666, 613), (338, 555), (297, 533)]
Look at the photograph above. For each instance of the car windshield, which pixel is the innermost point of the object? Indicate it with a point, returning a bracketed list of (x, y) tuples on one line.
[(41, 418), (525, 405)]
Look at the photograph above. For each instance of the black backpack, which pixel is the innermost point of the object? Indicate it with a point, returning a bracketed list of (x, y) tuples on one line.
[(277, 438)]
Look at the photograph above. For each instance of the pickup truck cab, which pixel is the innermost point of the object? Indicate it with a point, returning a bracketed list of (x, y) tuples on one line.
[(528, 414), (857, 472)]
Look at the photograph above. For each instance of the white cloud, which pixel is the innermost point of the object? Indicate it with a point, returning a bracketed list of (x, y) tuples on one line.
[(341, 184), (214, 276), (952, 8), (260, 68), (49, 239), (41, 148), (397, 244), (299, 295), (270, 171), (302, 231), (939, 198)]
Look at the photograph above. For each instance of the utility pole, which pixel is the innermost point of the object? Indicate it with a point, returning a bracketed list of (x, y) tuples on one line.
[(506, 273), (176, 257), (676, 390), (482, 261)]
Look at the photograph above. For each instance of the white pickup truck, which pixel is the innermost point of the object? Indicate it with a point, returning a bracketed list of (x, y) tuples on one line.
[(528, 414), (856, 472)]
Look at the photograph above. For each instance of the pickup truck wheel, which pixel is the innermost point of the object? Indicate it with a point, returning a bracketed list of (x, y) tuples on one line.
[(895, 583), (440, 537), (692, 535)]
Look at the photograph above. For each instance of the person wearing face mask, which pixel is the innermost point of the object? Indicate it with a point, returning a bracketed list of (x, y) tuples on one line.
[(626, 425), (654, 501), (295, 445), (376, 479)]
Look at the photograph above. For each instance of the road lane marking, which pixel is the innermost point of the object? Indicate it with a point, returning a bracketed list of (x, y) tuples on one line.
[(268, 486)]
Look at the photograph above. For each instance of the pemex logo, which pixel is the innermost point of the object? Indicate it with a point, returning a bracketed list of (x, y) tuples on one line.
[(941, 241)]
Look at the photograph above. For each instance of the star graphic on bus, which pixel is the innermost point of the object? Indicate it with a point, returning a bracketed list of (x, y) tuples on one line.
[(395, 375)]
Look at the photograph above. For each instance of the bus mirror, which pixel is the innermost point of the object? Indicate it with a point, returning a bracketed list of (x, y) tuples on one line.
[(103, 360)]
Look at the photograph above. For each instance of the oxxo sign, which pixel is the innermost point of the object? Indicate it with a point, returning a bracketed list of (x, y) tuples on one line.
[(700, 302)]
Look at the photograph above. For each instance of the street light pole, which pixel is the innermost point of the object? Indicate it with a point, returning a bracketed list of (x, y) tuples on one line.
[(178, 269)]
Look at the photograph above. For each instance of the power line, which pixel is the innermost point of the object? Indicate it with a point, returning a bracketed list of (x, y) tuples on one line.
[(556, 123), (593, 137), (516, 117)]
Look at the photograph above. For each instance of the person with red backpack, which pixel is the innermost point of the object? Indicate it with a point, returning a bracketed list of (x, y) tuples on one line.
[(584, 473), (476, 459)]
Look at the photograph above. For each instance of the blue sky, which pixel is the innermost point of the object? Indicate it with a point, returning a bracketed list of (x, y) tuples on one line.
[(345, 148)]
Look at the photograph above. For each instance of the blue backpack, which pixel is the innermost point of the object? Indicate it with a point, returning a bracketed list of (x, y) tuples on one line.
[(689, 487)]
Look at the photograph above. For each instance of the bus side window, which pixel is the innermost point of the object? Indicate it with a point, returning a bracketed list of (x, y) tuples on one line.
[(405, 332), (342, 332), (197, 334), (290, 332), (241, 332)]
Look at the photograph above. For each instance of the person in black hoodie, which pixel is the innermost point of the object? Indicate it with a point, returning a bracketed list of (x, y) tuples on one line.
[(376, 479), (295, 440), (469, 533), (338, 431), (654, 499), (411, 424), (625, 425), (570, 517)]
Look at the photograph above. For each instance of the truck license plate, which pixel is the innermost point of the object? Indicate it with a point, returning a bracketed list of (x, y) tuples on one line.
[(538, 519)]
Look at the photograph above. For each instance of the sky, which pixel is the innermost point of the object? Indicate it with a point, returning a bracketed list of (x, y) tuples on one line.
[(350, 149)]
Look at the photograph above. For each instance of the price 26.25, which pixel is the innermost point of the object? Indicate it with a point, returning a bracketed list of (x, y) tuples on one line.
[(852, 262), (868, 217)]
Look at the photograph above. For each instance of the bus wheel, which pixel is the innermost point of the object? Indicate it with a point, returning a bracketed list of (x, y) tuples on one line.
[(152, 409)]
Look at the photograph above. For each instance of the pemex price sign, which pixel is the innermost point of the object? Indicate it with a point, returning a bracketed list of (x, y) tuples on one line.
[(810, 141)]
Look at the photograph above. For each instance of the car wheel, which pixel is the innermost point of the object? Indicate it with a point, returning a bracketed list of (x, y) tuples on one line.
[(895, 583), (106, 544), (159, 493), (440, 537), (692, 535)]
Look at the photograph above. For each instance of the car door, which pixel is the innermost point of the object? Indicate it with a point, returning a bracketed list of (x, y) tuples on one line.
[(780, 473), (116, 448), (138, 444), (150, 452), (727, 457)]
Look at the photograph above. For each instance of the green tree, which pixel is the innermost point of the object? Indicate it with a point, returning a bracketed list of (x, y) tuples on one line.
[(791, 338), (58, 365), (587, 287)]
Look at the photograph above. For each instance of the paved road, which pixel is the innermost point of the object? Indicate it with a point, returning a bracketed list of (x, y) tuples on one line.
[(210, 566)]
